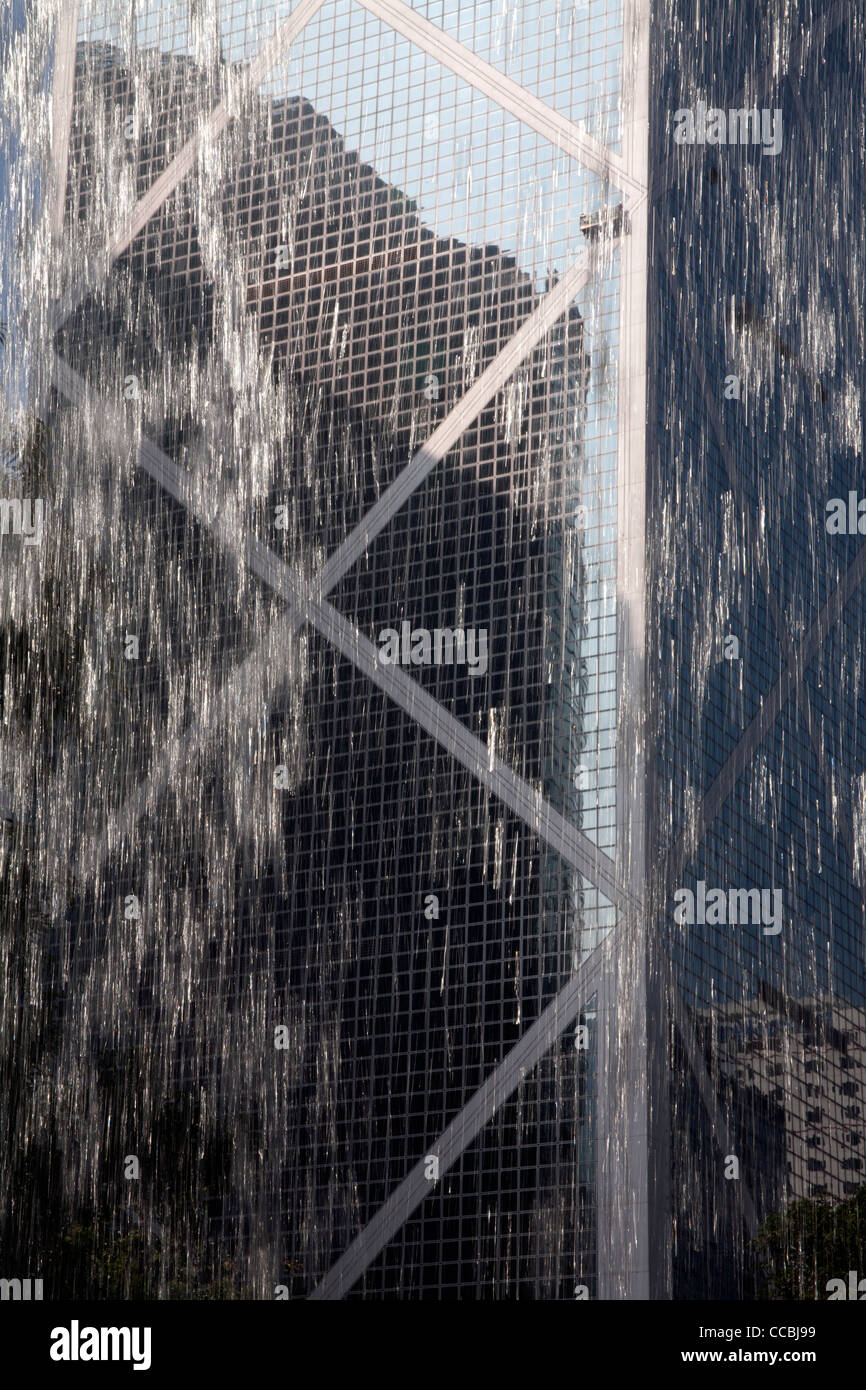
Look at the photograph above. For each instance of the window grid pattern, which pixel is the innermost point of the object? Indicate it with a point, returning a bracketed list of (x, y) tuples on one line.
[(741, 486), (410, 256)]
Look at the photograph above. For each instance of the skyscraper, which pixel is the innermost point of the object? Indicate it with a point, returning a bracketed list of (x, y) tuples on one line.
[(756, 425), (461, 779)]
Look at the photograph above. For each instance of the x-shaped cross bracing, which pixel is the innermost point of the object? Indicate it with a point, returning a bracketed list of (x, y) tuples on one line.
[(566, 135), (307, 601)]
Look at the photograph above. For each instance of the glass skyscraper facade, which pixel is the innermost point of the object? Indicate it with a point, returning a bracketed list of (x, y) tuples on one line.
[(756, 424), (440, 456)]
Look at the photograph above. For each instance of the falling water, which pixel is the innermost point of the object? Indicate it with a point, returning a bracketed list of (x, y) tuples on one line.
[(318, 329)]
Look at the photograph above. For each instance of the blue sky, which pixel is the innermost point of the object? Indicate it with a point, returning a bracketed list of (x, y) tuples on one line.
[(12, 20)]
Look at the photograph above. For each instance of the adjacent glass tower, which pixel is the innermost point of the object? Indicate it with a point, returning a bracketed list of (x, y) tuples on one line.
[(756, 422)]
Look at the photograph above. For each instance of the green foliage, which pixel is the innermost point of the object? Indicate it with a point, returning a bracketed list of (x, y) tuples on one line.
[(811, 1242), (129, 1266)]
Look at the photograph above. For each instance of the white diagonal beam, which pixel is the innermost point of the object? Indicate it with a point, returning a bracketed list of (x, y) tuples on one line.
[(483, 1104), (478, 1111), (503, 1081), (211, 128), (529, 805), (245, 683), (553, 305), (561, 132)]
